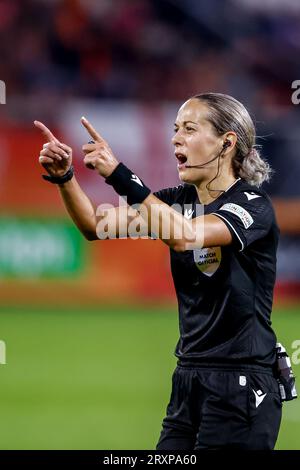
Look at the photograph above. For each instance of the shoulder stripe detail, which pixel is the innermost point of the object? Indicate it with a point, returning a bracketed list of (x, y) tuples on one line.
[(224, 218)]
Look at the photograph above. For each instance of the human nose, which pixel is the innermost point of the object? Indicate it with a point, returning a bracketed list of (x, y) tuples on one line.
[(177, 139)]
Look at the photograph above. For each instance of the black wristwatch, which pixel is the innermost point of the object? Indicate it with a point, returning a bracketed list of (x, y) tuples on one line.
[(60, 179)]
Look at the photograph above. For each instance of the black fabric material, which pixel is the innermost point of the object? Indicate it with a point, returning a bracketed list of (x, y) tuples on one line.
[(221, 409), (127, 184), (225, 294)]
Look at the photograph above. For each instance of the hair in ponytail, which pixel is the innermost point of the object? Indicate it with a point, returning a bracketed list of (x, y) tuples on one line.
[(252, 168), (226, 114)]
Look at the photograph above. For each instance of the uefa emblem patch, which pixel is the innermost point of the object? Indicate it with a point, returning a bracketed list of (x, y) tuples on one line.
[(208, 260)]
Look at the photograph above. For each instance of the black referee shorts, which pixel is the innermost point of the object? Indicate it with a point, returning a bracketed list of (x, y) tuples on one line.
[(214, 408)]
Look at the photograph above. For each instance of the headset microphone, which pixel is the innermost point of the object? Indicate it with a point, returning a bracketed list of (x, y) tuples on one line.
[(226, 144)]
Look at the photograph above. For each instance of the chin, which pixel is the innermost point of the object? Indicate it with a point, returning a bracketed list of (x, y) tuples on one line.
[(188, 176)]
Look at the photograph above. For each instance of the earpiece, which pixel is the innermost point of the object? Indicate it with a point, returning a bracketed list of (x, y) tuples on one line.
[(226, 144)]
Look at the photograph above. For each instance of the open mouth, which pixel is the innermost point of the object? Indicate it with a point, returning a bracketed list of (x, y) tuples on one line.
[(182, 159)]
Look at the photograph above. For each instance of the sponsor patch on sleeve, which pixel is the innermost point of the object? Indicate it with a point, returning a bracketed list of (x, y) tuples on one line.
[(240, 212)]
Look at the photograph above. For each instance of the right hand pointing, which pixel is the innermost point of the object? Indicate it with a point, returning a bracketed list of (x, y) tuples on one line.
[(55, 157)]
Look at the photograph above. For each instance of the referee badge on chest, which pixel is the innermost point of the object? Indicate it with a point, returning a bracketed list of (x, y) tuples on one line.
[(208, 260)]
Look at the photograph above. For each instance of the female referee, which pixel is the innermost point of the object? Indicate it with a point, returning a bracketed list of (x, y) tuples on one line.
[(224, 392)]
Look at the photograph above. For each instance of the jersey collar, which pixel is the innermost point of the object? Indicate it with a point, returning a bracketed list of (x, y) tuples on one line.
[(218, 199)]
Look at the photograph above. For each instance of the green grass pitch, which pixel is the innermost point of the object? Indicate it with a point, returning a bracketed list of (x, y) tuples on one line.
[(100, 379)]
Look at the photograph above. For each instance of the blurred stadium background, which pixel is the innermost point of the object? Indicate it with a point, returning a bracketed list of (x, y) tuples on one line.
[(90, 328)]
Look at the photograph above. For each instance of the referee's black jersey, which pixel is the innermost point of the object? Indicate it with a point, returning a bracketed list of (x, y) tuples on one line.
[(225, 293)]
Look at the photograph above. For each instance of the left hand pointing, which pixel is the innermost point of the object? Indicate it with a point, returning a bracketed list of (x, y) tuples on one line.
[(98, 155)]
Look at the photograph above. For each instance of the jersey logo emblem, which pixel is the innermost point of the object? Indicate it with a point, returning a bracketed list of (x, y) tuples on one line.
[(259, 397), (136, 179), (208, 260), (251, 195), (242, 381), (188, 213), (240, 212)]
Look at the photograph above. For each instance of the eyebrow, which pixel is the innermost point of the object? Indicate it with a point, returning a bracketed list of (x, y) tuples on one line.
[(186, 122)]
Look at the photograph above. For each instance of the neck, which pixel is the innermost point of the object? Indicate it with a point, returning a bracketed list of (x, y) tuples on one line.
[(216, 188)]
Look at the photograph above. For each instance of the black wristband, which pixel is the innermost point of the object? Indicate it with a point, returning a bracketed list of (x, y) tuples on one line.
[(60, 179), (127, 184)]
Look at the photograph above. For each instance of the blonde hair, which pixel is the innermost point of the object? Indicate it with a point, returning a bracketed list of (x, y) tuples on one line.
[(226, 114)]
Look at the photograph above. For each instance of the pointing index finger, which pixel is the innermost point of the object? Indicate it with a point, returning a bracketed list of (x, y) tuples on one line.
[(93, 133), (46, 132)]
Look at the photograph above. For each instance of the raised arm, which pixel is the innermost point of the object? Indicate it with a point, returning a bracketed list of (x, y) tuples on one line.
[(158, 218), (56, 158)]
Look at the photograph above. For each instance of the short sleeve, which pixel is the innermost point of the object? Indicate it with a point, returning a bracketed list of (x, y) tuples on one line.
[(249, 216)]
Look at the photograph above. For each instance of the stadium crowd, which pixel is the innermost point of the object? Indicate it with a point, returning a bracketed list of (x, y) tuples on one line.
[(158, 50)]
